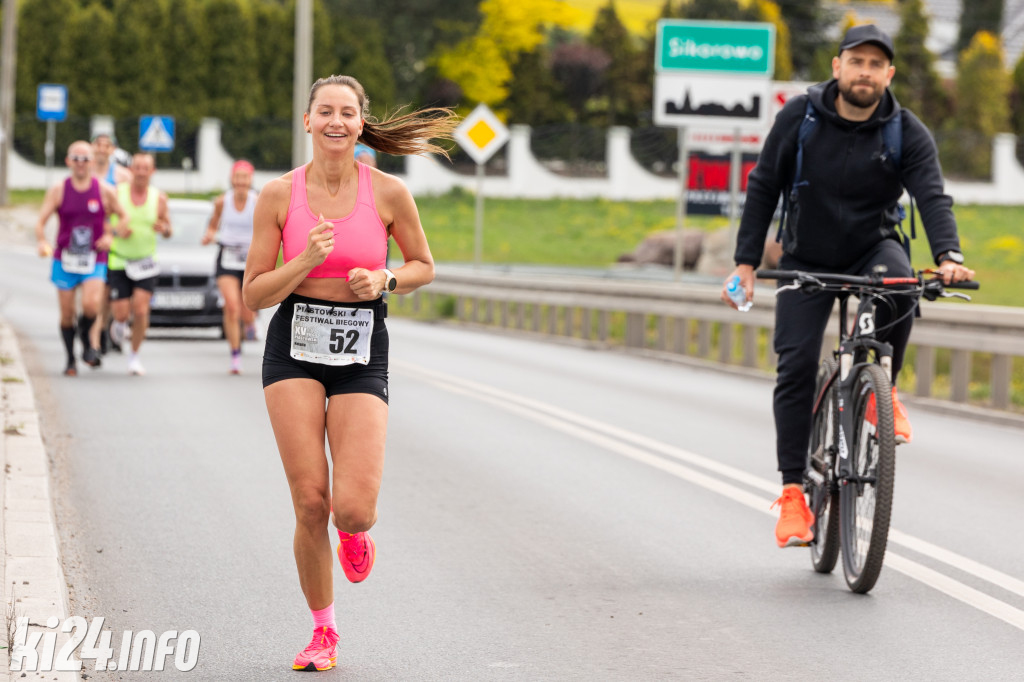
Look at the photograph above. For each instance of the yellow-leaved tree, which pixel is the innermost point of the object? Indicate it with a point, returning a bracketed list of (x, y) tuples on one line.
[(982, 107), (482, 64)]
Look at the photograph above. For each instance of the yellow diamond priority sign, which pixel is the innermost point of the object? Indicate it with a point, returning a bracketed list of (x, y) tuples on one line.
[(481, 134)]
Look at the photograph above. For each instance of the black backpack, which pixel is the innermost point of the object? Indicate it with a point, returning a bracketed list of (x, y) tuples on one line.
[(892, 140)]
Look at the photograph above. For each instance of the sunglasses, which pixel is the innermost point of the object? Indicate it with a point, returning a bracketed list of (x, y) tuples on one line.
[(80, 159)]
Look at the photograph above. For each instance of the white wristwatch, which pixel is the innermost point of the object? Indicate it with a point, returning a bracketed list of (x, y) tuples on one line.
[(390, 284)]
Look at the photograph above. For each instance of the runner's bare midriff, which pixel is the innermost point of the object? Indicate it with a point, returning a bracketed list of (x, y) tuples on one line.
[(327, 289)]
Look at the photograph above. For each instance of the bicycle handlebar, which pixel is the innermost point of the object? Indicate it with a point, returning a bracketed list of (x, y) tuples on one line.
[(866, 280)]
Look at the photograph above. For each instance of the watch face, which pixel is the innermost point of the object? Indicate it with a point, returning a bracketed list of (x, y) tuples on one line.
[(954, 256)]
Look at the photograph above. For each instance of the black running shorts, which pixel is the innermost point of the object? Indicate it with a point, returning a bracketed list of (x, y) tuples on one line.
[(278, 364), (221, 270), (122, 286)]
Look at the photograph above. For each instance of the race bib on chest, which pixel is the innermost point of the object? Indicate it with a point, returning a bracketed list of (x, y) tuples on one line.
[(140, 269), (330, 335), (233, 257)]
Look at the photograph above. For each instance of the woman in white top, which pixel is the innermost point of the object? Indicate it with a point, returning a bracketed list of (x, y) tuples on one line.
[(232, 216)]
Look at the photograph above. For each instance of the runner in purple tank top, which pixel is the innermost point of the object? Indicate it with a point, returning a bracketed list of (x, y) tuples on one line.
[(82, 204)]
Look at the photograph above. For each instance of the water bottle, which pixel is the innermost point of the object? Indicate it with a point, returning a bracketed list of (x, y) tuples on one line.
[(738, 294)]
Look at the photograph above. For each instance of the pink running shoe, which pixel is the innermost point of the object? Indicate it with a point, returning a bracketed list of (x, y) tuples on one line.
[(321, 653), (356, 553)]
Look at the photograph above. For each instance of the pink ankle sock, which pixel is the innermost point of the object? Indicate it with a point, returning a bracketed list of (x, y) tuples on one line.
[(342, 535), (324, 618)]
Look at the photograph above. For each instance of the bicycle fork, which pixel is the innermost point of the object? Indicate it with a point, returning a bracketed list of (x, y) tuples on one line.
[(854, 352)]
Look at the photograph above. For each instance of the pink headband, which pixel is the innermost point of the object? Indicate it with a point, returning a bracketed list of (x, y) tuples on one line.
[(242, 166)]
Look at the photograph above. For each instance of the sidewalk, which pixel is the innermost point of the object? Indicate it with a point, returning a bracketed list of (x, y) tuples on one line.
[(33, 580)]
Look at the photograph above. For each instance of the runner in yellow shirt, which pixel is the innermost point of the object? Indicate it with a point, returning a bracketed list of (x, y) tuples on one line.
[(133, 268)]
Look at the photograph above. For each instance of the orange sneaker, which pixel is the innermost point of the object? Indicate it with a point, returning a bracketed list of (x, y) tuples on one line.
[(901, 421), (795, 519)]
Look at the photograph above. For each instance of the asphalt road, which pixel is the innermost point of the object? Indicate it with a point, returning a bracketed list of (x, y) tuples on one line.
[(548, 512)]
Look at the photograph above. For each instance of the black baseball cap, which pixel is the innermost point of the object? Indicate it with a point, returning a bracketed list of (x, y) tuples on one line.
[(868, 33)]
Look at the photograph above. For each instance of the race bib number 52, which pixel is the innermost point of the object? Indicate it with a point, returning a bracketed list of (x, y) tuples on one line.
[(329, 335)]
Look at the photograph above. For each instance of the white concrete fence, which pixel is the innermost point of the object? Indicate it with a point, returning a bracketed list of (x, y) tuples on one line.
[(526, 176)]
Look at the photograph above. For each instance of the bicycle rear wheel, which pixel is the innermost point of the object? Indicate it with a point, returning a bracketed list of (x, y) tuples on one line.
[(819, 482), (865, 501)]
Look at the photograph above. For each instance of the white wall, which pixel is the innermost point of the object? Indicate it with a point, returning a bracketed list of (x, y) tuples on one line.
[(526, 177)]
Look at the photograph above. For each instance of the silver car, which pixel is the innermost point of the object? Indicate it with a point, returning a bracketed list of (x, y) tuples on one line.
[(186, 292)]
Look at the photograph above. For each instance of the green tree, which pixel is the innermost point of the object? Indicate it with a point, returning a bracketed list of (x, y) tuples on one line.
[(415, 31), (808, 22), (359, 52), (233, 85), (1017, 98), (274, 25), (917, 85), (979, 15), (622, 92), (86, 68), (325, 34), (535, 98), (580, 68), (140, 71), (39, 22), (188, 40), (982, 107)]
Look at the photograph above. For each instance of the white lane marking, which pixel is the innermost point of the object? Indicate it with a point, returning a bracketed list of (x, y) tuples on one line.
[(956, 589), (618, 440)]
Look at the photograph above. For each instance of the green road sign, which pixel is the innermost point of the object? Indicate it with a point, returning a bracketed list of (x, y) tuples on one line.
[(738, 48)]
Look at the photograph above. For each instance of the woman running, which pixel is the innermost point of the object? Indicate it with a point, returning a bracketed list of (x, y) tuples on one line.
[(328, 342), (232, 217)]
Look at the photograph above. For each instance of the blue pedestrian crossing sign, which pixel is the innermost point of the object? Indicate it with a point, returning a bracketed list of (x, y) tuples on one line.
[(156, 133), (51, 102)]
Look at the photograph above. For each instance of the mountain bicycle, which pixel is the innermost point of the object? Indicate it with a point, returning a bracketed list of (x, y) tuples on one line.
[(851, 464)]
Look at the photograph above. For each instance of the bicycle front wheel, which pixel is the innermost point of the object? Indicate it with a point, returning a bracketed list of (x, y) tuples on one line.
[(865, 499), (819, 482)]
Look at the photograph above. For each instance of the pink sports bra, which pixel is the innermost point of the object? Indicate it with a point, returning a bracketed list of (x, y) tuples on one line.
[(360, 238)]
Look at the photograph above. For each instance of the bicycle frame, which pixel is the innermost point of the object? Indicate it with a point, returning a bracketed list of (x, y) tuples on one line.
[(855, 347)]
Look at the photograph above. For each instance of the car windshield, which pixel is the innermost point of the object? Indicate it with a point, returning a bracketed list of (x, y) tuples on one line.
[(188, 223)]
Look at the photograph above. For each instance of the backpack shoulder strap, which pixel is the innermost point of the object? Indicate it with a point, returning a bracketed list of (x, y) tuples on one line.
[(807, 126), (892, 138)]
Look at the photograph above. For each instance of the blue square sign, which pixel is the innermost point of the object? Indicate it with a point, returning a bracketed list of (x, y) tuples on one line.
[(156, 133), (51, 102)]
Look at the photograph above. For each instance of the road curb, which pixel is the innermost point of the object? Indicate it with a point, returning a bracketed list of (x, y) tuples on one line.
[(33, 577)]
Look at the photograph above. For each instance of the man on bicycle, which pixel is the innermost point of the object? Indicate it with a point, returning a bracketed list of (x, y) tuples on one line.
[(842, 215)]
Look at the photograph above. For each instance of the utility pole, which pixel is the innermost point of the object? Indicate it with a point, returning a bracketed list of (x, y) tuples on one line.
[(8, 60), (303, 78)]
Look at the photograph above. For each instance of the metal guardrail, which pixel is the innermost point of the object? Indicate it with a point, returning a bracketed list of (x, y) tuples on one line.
[(689, 319)]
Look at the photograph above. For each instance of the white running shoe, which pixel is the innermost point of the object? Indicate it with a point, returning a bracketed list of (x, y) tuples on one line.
[(135, 367), (118, 332)]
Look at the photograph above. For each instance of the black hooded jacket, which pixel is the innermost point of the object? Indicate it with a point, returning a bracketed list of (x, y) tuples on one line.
[(850, 201)]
